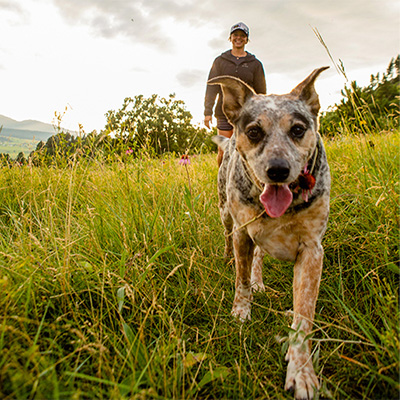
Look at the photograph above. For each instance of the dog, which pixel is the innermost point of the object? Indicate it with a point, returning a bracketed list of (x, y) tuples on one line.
[(273, 186)]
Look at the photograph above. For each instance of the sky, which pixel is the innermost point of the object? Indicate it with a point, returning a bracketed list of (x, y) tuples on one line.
[(84, 57)]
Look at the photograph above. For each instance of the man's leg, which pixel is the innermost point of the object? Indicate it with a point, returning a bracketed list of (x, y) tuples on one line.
[(227, 134)]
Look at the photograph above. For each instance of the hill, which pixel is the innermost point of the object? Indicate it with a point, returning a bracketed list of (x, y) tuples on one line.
[(26, 134), (27, 129), (17, 136)]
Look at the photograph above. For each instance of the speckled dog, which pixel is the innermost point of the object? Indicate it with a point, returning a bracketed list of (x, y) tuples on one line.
[(274, 186)]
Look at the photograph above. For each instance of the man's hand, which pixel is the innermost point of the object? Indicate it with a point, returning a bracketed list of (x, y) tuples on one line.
[(207, 121)]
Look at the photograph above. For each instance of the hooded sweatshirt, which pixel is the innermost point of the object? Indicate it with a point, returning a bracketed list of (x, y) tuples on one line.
[(248, 69)]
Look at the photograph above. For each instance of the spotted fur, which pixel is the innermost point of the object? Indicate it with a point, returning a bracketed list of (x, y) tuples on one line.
[(268, 131)]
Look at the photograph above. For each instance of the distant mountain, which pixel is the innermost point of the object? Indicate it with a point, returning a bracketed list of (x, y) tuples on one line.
[(23, 136), (28, 129)]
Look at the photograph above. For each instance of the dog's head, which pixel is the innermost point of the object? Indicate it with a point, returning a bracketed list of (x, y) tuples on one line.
[(276, 135)]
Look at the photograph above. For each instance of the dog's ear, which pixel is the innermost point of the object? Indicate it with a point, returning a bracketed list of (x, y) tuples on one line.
[(221, 141), (305, 91), (235, 94)]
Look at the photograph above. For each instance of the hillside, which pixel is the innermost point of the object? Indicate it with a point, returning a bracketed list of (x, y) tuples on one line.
[(17, 136), (26, 134), (26, 129)]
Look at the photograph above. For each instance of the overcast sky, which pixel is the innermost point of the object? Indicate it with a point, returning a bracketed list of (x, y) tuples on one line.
[(88, 55)]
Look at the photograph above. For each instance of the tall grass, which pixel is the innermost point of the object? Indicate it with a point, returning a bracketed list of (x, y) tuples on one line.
[(114, 285)]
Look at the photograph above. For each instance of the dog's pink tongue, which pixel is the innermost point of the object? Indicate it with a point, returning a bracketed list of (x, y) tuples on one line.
[(276, 199)]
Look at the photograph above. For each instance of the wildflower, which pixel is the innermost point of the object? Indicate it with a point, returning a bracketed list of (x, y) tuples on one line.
[(305, 183), (184, 160), (129, 151)]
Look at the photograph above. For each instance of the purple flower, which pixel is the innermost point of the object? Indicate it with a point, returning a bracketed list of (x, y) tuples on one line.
[(184, 160), (129, 151)]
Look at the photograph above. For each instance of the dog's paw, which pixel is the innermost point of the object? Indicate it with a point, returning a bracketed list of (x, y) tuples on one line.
[(242, 312), (257, 286), (301, 380)]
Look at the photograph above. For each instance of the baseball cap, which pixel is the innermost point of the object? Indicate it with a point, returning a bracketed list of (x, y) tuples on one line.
[(243, 27)]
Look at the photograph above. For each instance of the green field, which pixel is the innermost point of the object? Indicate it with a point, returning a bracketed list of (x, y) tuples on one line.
[(13, 146), (114, 285)]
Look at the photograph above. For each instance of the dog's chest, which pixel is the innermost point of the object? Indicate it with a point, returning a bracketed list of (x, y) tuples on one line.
[(280, 237)]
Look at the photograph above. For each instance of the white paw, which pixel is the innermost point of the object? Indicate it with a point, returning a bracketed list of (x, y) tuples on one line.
[(242, 312), (257, 286), (301, 380)]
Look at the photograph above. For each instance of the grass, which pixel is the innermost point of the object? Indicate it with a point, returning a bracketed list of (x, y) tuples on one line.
[(113, 284)]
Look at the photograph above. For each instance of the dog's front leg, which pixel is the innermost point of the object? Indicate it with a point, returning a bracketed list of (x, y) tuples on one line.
[(257, 283), (243, 248), (307, 275), (228, 225)]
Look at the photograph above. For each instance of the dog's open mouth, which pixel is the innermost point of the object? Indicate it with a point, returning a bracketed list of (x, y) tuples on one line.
[(276, 199)]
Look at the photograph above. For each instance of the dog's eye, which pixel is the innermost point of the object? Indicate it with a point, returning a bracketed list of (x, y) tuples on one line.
[(297, 131), (254, 134)]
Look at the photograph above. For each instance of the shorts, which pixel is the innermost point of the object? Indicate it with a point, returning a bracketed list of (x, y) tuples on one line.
[(223, 124)]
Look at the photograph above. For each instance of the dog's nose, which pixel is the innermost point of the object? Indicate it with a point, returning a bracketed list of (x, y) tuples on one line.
[(278, 170)]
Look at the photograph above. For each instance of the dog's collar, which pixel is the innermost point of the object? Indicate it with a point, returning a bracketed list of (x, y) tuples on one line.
[(315, 154), (251, 175), (305, 181)]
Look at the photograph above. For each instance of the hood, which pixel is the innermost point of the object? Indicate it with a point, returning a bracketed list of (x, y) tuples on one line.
[(227, 56)]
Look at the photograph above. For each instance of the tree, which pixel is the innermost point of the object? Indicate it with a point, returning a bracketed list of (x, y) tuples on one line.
[(163, 125), (21, 160), (374, 106), (155, 124), (5, 160)]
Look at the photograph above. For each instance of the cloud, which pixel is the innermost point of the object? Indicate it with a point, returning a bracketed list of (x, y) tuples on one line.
[(352, 31), (12, 13), (217, 43), (110, 19), (10, 6), (141, 21), (280, 30), (190, 78)]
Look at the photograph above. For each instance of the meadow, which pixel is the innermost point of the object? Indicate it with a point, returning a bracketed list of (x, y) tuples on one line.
[(113, 284), (13, 146)]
